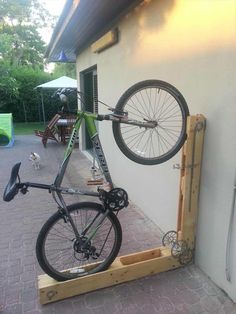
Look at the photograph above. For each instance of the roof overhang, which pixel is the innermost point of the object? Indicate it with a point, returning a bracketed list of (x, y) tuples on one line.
[(84, 21)]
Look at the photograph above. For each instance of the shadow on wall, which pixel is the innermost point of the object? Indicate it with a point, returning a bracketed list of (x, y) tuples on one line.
[(175, 29), (142, 18), (154, 22)]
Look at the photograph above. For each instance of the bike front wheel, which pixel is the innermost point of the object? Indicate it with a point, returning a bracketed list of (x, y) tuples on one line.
[(63, 256), (154, 103)]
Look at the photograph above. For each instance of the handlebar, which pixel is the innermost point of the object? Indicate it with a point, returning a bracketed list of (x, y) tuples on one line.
[(63, 95)]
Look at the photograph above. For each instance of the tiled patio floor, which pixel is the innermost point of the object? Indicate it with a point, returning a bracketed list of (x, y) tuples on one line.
[(185, 290)]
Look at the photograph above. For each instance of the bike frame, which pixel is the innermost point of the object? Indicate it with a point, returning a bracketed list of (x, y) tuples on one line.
[(57, 190), (89, 119)]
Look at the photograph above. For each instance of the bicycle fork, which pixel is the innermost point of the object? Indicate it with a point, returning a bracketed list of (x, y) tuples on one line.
[(83, 240), (92, 232)]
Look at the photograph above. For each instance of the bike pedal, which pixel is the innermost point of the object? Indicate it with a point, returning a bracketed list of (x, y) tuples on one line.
[(95, 182)]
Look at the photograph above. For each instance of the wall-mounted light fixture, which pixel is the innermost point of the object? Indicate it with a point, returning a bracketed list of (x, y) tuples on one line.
[(106, 41)]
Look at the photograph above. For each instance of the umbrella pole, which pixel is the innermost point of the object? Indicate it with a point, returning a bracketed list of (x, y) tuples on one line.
[(42, 101)]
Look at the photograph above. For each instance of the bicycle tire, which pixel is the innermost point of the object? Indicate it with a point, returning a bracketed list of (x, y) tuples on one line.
[(61, 266), (166, 106)]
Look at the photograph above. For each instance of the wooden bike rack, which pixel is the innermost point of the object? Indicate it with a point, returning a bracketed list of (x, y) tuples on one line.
[(178, 246)]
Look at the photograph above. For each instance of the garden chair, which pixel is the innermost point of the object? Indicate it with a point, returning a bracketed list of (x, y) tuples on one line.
[(50, 131)]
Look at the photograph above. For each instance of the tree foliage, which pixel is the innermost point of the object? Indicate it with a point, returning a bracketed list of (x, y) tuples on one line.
[(68, 69), (21, 57), (24, 12), (27, 105), (19, 96), (20, 42), (21, 61), (8, 85), (21, 45)]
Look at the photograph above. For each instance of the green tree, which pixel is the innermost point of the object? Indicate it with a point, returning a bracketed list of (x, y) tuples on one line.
[(21, 45), (21, 57), (25, 104), (20, 42), (8, 85), (24, 12)]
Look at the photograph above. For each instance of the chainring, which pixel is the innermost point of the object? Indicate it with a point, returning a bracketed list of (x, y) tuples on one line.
[(114, 200)]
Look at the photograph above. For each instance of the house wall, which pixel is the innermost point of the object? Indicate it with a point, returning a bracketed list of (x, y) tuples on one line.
[(192, 45)]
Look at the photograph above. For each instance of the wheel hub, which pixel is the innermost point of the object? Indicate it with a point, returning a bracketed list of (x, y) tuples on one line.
[(83, 249), (153, 123)]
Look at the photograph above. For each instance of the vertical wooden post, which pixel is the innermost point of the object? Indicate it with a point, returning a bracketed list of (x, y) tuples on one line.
[(190, 180)]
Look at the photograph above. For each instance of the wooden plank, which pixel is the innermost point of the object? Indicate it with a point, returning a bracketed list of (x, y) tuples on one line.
[(185, 178), (51, 290), (191, 185), (182, 188), (142, 256)]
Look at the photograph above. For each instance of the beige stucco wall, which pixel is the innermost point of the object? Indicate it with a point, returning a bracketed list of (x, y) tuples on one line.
[(192, 45)]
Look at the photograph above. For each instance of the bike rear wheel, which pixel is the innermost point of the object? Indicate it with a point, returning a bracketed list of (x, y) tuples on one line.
[(61, 255), (155, 102)]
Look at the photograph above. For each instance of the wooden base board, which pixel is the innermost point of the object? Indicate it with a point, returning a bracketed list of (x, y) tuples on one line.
[(123, 269)]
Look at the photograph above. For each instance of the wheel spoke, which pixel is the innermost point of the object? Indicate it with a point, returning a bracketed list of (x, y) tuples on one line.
[(166, 99), (163, 141), (63, 251), (165, 114), (144, 113), (143, 101)]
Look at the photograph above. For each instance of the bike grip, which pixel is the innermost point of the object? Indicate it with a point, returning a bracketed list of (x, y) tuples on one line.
[(101, 117)]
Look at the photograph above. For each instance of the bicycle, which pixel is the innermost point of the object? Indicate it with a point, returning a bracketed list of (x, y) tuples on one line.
[(149, 127)]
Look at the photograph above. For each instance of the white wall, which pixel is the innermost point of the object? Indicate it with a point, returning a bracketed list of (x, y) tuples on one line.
[(192, 45)]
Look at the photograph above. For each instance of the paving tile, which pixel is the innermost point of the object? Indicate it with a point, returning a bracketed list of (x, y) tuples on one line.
[(12, 309)]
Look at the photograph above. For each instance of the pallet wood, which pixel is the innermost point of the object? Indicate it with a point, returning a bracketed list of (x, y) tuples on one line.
[(190, 180), (137, 265), (123, 269), (49, 132)]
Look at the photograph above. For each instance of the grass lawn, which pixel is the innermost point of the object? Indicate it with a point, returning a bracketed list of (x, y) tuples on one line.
[(27, 128)]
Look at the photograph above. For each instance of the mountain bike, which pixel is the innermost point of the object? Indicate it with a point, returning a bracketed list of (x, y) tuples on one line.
[(149, 127)]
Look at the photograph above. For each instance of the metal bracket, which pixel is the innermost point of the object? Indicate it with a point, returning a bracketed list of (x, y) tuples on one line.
[(200, 125), (178, 167)]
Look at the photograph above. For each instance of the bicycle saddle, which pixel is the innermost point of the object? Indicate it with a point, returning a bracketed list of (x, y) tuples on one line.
[(12, 187)]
